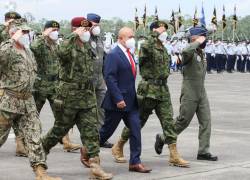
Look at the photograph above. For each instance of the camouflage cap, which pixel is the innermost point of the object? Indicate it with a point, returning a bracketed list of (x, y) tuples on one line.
[(20, 24)]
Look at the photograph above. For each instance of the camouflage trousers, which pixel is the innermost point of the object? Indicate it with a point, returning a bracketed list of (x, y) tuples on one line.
[(30, 126), (40, 99), (86, 122), (100, 90), (164, 112)]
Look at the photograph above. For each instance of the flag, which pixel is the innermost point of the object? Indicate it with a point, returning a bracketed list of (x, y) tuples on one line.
[(172, 21), (195, 19), (214, 18), (144, 17), (156, 14), (224, 21), (235, 19), (202, 19), (137, 23), (180, 21)]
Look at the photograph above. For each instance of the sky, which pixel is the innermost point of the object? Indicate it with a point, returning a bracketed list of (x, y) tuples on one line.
[(124, 9)]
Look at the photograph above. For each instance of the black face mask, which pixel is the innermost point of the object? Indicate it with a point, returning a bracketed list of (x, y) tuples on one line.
[(203, 45)]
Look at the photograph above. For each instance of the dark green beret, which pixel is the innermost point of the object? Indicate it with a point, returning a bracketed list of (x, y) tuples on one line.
[(51, 24), (12, 15), (157, 24)]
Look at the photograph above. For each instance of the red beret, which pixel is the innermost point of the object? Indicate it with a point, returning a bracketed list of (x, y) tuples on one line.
[(80, 22)]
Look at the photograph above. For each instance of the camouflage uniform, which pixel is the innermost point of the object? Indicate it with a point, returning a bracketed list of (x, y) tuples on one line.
[(4, 36), (17, 106), (75, 96), (47, 79), (99, 83), (153, 90)]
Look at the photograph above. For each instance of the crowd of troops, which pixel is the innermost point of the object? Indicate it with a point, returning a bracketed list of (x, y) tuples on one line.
[(228, 56), (70, 76), (220, 55)]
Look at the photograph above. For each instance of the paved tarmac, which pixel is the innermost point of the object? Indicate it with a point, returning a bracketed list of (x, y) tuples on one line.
[(229, 96)]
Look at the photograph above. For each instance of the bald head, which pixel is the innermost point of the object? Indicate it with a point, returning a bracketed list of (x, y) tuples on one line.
[(125, 34)]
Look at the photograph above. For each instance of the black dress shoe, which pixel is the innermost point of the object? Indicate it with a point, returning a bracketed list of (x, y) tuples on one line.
[(158, 144), (106, 145), (207, 157)]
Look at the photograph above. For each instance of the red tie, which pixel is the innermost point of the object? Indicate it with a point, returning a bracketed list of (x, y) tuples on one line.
[(132, 63)]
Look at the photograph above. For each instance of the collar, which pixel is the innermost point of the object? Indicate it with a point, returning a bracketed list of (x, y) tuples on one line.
[(122, 47)]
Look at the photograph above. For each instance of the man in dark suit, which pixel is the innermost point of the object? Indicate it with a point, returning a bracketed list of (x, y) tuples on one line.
[(120, 101)]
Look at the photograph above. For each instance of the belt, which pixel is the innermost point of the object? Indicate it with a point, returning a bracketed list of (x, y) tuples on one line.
[(52, 78), (49, 78), (157, 81), (85, 85), (18, 95)]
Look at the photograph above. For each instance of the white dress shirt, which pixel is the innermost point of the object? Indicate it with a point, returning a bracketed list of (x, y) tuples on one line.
[(124, 50)]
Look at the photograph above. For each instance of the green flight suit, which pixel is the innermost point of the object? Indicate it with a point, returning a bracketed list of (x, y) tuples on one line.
[(193, 99)]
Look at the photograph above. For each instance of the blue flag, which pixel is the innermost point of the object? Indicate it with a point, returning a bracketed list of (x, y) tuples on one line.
[(202, 19)]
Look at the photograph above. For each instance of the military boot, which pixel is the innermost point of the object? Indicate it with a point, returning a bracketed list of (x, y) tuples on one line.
[(84, 157), (117, 151), (96, 172), (68, 146), (41, 174), (175, 159), (20, 148)]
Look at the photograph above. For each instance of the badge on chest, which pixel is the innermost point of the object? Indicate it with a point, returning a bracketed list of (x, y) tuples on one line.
[(198, 58), (93, 44)]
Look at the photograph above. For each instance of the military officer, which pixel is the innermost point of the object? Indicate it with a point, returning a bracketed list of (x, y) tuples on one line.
[(44, 49), (239, 57), (193, 94), (244, 56), (153, 89), (4, 36), (219, 56), (210, 59), (248, 58), (75, 99), (17, 106), (231, 51), (99, 83)]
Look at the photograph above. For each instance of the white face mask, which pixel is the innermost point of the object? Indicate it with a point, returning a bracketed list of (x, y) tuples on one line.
[(85, 36), (130, 43), (24, 40), (54, 35), (163, 36), (12, 30), (96, 30)]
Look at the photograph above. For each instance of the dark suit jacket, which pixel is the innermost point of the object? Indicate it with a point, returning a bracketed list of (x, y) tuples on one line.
[(120, 82)]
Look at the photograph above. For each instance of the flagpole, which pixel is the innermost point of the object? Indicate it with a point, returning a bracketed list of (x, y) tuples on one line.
[(222, 34), (213, 35), (233, 34)]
